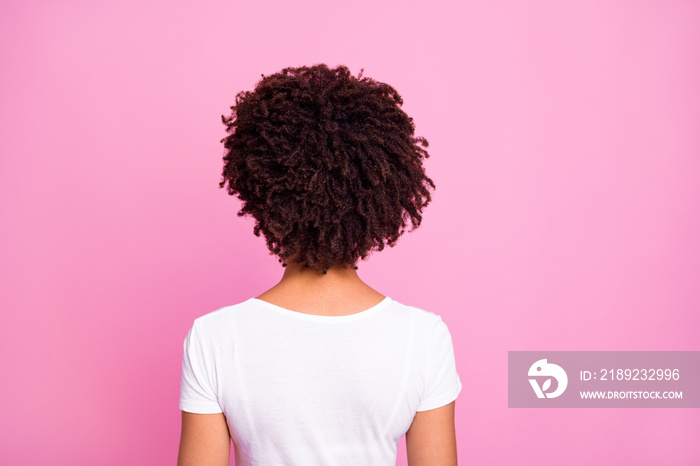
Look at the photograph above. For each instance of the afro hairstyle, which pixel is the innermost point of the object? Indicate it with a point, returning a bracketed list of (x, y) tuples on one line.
[(326, 163)]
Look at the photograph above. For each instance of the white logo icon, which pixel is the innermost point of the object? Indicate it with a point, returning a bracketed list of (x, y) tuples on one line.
[(543, 369)]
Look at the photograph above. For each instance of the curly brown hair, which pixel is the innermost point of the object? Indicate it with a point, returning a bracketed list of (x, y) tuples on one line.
[(326, 163)]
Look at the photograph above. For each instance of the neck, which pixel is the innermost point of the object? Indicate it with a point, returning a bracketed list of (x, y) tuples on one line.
[(296, 275), (337, 292), (307, 282)]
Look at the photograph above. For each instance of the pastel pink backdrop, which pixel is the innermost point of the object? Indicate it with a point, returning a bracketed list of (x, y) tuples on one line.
[(564, 145)]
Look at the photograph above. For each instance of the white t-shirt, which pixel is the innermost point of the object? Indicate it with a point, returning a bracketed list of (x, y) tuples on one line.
[(304, 389)]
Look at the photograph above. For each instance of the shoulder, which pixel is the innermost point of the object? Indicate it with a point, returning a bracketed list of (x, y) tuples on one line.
[(427, 321), (220, 320), (418, 312)]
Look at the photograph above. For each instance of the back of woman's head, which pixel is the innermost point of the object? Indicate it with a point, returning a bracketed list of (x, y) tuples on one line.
[(326, 163)]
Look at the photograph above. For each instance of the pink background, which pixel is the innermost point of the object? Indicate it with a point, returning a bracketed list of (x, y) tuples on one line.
[(565, 148)]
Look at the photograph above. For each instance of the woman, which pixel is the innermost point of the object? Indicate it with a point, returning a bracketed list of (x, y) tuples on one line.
[(321, 369)]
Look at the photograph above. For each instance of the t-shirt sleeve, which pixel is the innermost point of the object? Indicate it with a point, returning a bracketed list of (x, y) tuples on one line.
[(196, 393), (443, 384)]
